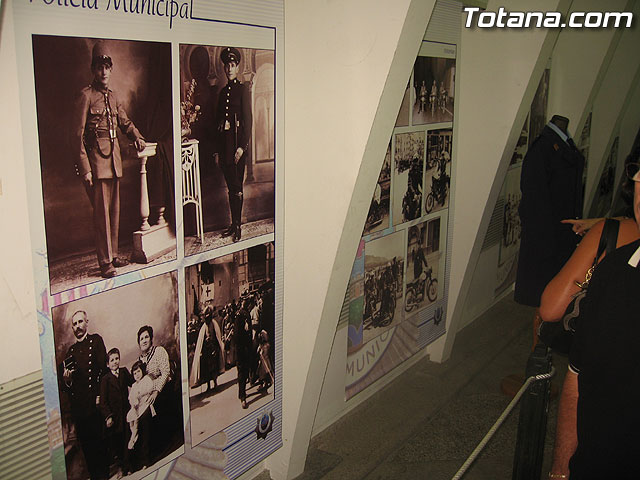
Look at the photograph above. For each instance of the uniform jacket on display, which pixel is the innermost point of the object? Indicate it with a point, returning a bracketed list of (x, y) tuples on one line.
[(551, 185)]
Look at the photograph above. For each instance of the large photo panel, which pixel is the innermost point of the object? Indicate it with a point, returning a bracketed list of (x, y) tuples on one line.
[(117, 356), (227, 113), (231, 342), (105, 132)]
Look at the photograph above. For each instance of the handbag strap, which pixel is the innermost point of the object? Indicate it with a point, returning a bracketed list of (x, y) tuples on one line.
[(608, 241), (608, 237)]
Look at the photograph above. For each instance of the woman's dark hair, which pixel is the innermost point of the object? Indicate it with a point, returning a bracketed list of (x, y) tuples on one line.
[(627, 187), (139, 364), (147, 329)]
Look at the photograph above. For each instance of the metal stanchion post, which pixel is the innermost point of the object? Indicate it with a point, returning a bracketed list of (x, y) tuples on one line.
[(532, 426)]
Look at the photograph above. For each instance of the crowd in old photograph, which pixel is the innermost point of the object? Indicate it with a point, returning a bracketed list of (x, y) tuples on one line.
[(237, 334)]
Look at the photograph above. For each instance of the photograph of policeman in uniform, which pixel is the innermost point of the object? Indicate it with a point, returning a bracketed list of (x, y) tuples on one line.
[(116, 351), (104, 107), (408, 176), (433, 90), (438, 170), (228, 144), (230, 338), (423, 261), (378, 215), (383, 280)]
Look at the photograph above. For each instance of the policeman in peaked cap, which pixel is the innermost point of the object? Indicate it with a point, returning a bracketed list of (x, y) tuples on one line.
[(233, 119), (99, 161)]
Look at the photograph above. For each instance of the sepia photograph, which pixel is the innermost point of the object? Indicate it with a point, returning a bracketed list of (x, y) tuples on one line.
[(423, 261), (227, 115), (408, 176), (603, 197), (521, 147), (402, 120), (433, 90), (378, 215), (119, 380), (230, 338), (105, 132), (438, 170), (383, 272)]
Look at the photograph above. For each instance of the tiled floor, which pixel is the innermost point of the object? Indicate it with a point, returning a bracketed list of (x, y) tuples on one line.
[(427, 421)]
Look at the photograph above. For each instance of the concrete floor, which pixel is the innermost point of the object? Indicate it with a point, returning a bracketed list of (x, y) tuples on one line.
[(427, 421)]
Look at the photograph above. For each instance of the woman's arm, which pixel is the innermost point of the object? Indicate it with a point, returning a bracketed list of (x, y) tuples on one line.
[(562, 287)]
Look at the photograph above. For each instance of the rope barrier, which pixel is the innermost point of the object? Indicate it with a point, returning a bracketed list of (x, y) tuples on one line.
[(500, 421)]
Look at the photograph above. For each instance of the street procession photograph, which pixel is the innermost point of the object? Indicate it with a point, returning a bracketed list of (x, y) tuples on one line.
[(105, 135), (227, 114), (230, 338), (119, 380), (433, 89)]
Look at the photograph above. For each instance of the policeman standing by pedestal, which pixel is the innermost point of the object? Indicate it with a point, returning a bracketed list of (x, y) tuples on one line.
[(100, 164), (233, 118)]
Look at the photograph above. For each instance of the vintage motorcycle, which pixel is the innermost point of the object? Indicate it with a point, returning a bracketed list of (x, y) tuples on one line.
[(439, 190), (416, 290)]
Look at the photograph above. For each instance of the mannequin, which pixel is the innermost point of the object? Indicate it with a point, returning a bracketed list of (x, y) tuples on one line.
[(551, 185)]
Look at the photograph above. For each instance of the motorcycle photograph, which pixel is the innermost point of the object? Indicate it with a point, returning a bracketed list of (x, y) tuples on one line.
[(415, 293), (439, 191)]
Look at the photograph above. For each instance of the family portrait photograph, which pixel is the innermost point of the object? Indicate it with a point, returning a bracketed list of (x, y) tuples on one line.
[(119, 380), (105, 133), (227, 114)]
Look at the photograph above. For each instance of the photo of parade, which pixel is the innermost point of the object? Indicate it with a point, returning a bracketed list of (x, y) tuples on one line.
[(119, 380), (408, 176), (227, 114), (230, 338), (438, 175), (423, 260), (383, 272), (433, 88), (378, 216), (105, 133)]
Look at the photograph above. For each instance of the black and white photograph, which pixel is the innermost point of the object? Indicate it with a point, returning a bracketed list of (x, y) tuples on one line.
[(511, 227), (603, 197), (408, 175), (230, 338), (438, 170), (227, 114), (433, 90), (119, 380), (423, 262), (538, 115), (521, 146), (510, 196), (383, 271), (105, 132), (378, 215), (402, 120)]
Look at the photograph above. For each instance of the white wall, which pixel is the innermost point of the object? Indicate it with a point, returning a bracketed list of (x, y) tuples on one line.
[(20, 350)]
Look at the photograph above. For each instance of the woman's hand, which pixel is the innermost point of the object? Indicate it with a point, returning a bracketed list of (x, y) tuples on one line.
[(581, 225), (152, 397)]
